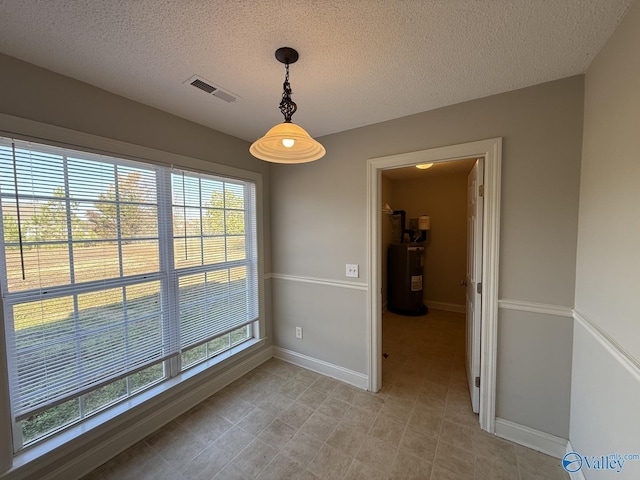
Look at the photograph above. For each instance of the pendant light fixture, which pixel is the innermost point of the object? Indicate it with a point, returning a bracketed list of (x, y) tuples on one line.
[(424, 166), (287, 142)]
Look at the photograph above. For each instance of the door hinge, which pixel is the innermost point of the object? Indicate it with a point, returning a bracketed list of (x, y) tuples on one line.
[(479, 288), (481, 191), (478, 382)]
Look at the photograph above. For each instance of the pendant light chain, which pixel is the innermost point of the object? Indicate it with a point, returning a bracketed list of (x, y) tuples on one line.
[(287, 106)]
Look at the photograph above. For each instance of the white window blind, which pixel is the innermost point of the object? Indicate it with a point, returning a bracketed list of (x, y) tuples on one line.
[(215, 255), (110, 266)]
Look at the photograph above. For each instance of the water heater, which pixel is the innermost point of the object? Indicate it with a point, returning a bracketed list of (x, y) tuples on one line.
[(405, 269)]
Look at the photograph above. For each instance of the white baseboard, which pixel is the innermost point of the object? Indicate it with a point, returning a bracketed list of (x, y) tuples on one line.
[(574, 475), (448, 307), (325, 368), (125, 436), (528, 437)]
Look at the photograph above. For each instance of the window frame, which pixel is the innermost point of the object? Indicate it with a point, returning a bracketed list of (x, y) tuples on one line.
[(42, 133)]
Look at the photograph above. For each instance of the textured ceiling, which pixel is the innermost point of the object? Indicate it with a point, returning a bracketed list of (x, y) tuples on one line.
[(361, 61)]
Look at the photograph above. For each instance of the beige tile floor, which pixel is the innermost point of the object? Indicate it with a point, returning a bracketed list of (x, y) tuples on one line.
[(283, 422)]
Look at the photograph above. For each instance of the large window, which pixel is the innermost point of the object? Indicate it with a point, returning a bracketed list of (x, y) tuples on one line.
[(116, 275)]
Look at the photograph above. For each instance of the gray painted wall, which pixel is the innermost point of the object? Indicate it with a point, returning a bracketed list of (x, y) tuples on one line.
[(606, 358), (609, 235), (332, 319), (319, 224), (534, 358)]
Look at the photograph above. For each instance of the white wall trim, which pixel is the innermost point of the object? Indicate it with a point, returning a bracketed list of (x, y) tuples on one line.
[(574, 475), (626, 359), (447, 307), (319, 281), (345, 375), (491, 151), (123, 434), (531, 438), (534, 307)]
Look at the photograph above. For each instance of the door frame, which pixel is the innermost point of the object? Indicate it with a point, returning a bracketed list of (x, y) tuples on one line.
[(491, 151)]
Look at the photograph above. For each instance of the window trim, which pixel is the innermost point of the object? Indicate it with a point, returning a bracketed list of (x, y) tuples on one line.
[(49, 451), (73, 383)]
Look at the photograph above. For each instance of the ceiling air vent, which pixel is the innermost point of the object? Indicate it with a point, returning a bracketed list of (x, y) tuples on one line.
[(210, 88), (203, 86)]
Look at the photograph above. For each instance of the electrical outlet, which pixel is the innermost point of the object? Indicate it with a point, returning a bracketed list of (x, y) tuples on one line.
[(298, 332), (352, 270)]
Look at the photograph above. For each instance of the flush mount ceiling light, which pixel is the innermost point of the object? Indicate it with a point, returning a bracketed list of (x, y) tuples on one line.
[(424, 166), (287, 142)]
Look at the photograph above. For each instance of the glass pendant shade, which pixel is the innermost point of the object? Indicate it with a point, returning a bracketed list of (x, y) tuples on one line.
[(287, 143)]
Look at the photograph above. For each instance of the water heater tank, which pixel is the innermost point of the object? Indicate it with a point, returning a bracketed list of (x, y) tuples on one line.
[(405, 269)]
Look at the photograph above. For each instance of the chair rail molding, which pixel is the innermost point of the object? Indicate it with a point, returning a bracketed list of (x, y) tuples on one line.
[(534, 307)]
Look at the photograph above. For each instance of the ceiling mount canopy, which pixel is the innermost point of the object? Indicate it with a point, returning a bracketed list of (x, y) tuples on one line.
[(287, 142)]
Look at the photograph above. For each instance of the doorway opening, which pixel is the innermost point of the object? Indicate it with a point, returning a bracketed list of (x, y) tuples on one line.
[(489, 151)]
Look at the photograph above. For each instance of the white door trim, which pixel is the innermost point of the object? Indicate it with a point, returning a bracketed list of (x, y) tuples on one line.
[(491, 151)]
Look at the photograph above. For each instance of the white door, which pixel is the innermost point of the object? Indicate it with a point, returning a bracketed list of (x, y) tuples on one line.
[(474, 279)]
